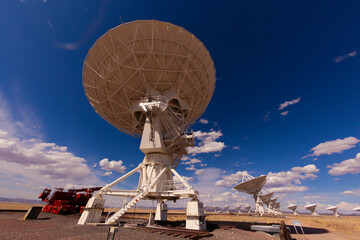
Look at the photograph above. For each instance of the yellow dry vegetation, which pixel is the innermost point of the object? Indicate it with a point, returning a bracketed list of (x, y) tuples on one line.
[(343, 224), (16, 206), (347, 225)]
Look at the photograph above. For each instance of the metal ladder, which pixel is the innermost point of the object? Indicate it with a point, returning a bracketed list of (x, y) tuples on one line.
[(127, 206)]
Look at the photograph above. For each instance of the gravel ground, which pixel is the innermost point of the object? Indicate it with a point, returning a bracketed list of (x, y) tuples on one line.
[(53, 226)]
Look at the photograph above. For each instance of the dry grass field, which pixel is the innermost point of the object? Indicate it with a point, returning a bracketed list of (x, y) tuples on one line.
[(344, 227), (16, 206), (327, 227)]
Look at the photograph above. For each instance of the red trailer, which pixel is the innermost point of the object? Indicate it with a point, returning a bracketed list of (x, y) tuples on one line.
[(66, 202)]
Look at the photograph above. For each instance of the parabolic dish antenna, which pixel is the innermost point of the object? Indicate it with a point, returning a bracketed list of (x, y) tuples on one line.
[(334, 210), (266, 197), (252, 186), (312, 209), (147, 58), (151, 79), (293, 207), (357, 209)]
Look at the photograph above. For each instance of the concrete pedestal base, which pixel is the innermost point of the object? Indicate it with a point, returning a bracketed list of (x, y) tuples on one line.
[(195, 216), (93, 210), (161, 212)]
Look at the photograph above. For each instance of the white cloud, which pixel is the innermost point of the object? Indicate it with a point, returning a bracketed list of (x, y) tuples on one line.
[(72, 186), (316, 197), (284, 113), (290, 189), (187, 161), (188, 179), (288, 103), (27, 163), (334, 146), (203, 121), (112, 165), (43, 158), (204, 183), (107, 173), (231, 198), (311, 168), (343, 57), (248, 163), (191, 168), (231, 179), (199, 171), (236, 148), (267, 115), (348, 166), (346, 206), (290, 181), (207, 142), (27, 166), (352, 192)]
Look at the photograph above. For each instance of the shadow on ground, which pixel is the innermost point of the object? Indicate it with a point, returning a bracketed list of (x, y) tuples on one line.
[(308, 230), (212, 225)]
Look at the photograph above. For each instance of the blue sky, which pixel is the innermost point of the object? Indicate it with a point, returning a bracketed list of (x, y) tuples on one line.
[(265, 53)]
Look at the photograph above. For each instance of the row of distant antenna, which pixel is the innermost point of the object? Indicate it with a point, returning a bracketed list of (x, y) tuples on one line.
[(264, 201), (312, 208)]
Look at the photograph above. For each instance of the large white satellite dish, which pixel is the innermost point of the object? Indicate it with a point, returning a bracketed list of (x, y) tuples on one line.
[(151, 79), (312, 208), (148, 58)]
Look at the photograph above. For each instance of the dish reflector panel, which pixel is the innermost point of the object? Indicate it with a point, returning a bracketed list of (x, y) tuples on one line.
[(252, 186), (147, 58)]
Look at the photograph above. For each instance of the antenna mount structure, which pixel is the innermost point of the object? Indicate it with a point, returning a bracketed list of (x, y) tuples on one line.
[(154, 80)]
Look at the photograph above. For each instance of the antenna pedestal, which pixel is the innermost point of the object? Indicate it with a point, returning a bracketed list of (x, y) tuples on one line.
[(195, 216), (161, 212), (156, 182), (93, 210), (259, 205)]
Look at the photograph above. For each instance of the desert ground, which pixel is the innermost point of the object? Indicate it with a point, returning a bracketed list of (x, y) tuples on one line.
[(52, 226)]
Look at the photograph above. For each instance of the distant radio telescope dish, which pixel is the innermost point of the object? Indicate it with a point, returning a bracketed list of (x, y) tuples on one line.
[(312, 209), (252, 186), (334, 209), (143, 59), (293, 207), (357, 208)]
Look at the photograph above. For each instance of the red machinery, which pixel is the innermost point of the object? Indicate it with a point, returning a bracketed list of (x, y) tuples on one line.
[(72, 201)]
